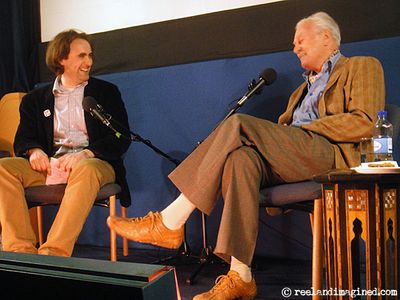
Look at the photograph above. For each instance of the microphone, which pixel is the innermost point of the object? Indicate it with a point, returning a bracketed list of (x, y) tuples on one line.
[(267, 77), (90, 105)]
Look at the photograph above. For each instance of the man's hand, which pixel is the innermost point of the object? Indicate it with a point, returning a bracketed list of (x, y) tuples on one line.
[(69, 160), (39, 160)]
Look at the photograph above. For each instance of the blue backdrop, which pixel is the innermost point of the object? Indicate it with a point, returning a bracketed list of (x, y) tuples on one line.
[(177, 106)]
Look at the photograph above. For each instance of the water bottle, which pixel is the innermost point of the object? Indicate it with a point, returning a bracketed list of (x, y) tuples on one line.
[(383, 132)]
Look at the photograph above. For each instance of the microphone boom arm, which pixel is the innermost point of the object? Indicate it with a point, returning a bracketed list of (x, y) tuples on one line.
[(247, 96), (91, 106), (137, 138), (134, 137)]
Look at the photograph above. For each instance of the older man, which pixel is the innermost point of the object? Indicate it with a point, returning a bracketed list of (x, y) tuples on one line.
[(320, 129)]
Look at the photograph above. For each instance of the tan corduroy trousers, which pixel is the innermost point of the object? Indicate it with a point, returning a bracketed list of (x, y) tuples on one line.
[(243, 154), (84, 183)]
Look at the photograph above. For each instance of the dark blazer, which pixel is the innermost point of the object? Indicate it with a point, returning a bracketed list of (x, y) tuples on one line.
[(36, 128)]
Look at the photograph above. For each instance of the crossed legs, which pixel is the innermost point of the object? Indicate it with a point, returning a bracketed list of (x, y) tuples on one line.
[(241, 155)]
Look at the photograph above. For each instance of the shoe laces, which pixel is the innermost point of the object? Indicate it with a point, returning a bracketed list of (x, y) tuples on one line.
[(150, 216), (222, 281)]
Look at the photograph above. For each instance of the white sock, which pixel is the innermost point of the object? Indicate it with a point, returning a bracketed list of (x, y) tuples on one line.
[(174, 216), (243, 270)]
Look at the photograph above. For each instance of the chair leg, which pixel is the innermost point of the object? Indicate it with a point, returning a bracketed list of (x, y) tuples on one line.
[(317, 248), (124, 239), (39, 212), (33, 215), (113, 235)]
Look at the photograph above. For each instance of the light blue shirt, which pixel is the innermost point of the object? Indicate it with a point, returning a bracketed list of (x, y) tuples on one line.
[(307, 111)]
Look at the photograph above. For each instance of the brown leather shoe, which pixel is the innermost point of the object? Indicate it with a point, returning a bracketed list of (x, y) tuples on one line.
[(31, 250), (276, 211), (149, 229), (229, 287), (52, 252)]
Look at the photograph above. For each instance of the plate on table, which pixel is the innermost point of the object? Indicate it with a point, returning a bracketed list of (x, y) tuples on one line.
[(378, 167)]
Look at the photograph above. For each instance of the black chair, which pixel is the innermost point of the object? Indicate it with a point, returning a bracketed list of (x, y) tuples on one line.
[(4, 154), (304, 196), (43, 195)]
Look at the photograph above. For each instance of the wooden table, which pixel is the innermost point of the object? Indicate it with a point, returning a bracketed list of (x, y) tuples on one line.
[(361, 218)]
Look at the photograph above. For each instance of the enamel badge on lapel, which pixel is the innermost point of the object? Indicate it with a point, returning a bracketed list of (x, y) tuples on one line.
[(47, 113)]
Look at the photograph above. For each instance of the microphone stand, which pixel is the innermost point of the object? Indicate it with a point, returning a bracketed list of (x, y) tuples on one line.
[(184, 249), (137, 138), (207, 251), (134, 137), (253, 88)]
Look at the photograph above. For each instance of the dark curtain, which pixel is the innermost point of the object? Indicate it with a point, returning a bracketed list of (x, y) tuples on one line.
[(19, 40)]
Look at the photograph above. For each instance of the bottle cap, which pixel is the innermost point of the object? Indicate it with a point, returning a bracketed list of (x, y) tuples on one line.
[(382, 114)]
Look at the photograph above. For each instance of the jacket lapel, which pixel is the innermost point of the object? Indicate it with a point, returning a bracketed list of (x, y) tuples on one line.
[(48, 114), (90, 90), (337, 70)]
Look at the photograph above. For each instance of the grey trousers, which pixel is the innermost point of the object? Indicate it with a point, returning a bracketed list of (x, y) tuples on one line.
[(239, 157)]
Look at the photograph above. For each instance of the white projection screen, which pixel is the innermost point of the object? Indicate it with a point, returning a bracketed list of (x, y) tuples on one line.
[(93, 16)]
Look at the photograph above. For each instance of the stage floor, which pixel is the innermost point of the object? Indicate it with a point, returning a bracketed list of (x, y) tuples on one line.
[(272, 275)]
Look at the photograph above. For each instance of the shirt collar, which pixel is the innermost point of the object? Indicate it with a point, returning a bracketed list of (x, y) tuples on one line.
[(327, 67), (59, 89)]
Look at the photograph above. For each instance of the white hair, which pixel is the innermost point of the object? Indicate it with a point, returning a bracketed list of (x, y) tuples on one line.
[(324, 21)]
